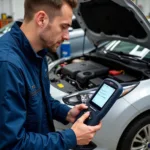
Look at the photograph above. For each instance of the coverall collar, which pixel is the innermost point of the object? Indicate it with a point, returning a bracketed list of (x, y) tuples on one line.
[(24, 43)]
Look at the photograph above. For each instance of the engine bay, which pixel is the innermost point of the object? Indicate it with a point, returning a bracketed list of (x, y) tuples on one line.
[(83, 73)]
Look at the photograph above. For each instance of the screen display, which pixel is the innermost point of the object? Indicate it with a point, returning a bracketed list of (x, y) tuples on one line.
[(102, 96)]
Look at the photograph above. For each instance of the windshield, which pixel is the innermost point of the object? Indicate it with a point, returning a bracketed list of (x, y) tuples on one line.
[(128, 48), (6, 28)]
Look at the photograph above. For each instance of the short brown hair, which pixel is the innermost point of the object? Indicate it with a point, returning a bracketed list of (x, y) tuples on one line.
[(32, 6)]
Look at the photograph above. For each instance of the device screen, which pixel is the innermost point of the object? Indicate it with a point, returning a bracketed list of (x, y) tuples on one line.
[(102, 96)]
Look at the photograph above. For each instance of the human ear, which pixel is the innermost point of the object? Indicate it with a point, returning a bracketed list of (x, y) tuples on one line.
[(41, 19)]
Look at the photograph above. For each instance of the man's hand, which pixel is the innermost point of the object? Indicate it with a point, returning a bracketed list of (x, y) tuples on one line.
[(84, 133), (73, 113)]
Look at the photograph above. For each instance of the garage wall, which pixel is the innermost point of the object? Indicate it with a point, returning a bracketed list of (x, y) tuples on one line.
[(6, 6), (145, 6), (14, 8), (18, 9)]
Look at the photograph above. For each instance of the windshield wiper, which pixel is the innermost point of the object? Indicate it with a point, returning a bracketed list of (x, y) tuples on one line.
[(122, 56), (113, 54)]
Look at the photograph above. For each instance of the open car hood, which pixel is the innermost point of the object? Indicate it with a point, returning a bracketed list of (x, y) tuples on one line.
[(113, 19)]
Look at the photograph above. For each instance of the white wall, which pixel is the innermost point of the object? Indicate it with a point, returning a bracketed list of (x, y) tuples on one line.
[(145, 5), (5, 7), (14, 8), (18, 9)]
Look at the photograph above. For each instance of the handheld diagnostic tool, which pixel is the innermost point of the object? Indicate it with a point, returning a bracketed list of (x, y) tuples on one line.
[(102, 100)]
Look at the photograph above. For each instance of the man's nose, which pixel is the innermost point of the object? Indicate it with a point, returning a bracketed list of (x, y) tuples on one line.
[(66, 36)]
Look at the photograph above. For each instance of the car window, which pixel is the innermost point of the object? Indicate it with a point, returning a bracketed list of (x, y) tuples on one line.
[(124, 47), (129, 48)]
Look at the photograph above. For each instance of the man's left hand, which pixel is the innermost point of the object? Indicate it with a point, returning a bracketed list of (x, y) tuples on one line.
[(73, 113)]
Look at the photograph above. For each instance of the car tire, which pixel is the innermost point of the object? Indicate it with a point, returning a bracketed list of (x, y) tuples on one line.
[(51, 56), (138, 127)]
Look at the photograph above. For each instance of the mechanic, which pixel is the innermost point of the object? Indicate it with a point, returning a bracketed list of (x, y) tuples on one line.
[(27, 109)]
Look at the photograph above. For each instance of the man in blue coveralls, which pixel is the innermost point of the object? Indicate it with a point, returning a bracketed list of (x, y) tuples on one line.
[(27, 109)]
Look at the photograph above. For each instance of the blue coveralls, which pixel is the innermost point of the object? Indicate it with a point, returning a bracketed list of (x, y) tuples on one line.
[(27, 109)]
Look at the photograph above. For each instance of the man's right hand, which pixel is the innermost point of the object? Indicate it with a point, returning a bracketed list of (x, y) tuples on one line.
[(83, 132)]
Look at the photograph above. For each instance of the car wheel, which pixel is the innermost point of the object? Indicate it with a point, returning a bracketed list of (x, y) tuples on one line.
[(51, 56), (137, 135)]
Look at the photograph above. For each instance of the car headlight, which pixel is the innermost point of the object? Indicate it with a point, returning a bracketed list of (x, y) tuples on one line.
[(84, 96), (79, 97)]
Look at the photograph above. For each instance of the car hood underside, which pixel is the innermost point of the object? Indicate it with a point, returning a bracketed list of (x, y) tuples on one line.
[(113, 19)]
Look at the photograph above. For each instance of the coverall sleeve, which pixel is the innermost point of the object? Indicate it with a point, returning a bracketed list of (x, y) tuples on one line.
[(13, 135), (59, 110)]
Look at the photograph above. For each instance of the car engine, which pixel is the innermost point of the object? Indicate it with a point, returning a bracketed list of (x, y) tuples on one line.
[(85, 73)]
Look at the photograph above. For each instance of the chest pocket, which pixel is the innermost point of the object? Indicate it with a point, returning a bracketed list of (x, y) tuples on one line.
[(34, 92), (34, 105), (34, 108)]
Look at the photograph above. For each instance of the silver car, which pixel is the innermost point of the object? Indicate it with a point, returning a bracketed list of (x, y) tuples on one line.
[(121, 36)]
